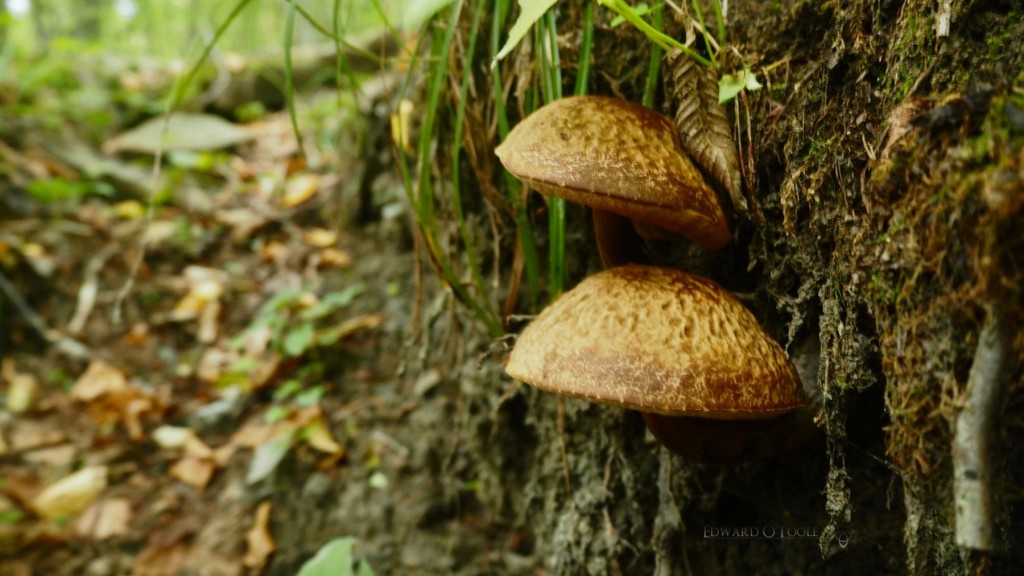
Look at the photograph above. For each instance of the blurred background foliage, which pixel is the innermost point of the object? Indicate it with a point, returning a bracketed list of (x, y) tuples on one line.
[(171, 29)]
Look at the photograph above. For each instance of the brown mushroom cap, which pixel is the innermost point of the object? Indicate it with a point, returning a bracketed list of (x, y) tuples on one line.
[(657, 340), (613, 155)]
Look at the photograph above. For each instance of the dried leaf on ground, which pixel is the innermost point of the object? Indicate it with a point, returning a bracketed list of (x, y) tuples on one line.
[(105, 519), (22, 388), (165, 553), (196, 472), (320, 237), (259, 539), (71, 494), (299, 189), (98, 379)]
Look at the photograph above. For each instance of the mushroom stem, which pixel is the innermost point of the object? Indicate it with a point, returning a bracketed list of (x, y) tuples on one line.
[(727, 442), (617, 240)]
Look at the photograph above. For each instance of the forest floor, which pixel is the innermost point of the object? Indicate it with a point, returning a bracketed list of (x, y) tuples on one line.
[(266, 384)]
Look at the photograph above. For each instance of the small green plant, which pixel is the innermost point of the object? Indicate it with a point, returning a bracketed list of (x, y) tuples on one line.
[(297, 322), (335, 559)]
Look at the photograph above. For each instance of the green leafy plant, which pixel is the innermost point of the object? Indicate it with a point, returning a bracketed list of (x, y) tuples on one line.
[(730, 84), (297, 326), (335, 558)]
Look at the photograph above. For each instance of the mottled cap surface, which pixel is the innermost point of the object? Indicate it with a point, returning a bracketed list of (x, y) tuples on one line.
[(613, 155), (657, 340)]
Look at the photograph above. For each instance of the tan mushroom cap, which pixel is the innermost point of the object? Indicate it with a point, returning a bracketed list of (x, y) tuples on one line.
[(613, 155), (657, 340)]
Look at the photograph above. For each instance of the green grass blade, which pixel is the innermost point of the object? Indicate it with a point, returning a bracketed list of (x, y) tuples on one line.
[(460, 119), (586, 47), (551, 84), (654, 66), (660, 38), (289, 76), (183, 84), (342, 69), (524, 229), (423, 205), (720, 19)]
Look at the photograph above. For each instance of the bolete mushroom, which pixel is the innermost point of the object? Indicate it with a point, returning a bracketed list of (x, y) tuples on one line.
[(712, 385), (617, 158)]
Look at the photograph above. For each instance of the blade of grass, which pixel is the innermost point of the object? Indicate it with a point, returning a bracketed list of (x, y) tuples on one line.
[(289, 76), (654, 67), (338, 38), (183, 83), (524, 229), (551, 84), (341, 65), (704, 28), (586, 46), (720, 19), (460, 120), (660, 38), (423, 204)]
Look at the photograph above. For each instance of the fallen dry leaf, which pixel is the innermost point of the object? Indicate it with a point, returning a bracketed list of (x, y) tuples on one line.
[(274, 251), (165, 553), (195, 472), (22, 389), (98, 379), (243, 222), (29, 434), (259, 539), (320, 237), (41, 261), (105, 519), (200, 295), (334, 258), (299, 189), (208, 323), (128, 407), (137, 335), (353, 325), (55, 457), (71, 494), (172, 437)]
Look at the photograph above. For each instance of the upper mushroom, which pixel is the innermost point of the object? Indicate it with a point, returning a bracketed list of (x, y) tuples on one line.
[(657, 340), (619, 157)]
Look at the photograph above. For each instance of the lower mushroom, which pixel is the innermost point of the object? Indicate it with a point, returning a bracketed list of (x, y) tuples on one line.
[(712, 385)]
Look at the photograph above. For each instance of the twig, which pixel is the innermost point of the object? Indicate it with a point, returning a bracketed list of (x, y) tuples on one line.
[(973, 472), (65, 345), (90, 289)]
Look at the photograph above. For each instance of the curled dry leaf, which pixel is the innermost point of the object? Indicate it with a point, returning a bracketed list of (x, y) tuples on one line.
[(98, 379), (299, 189), (22, 389), (196, 472), (703, 126), (259, 539), (900, 119), (334, 258), (320, 237), (105, 519), (71, 494)]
